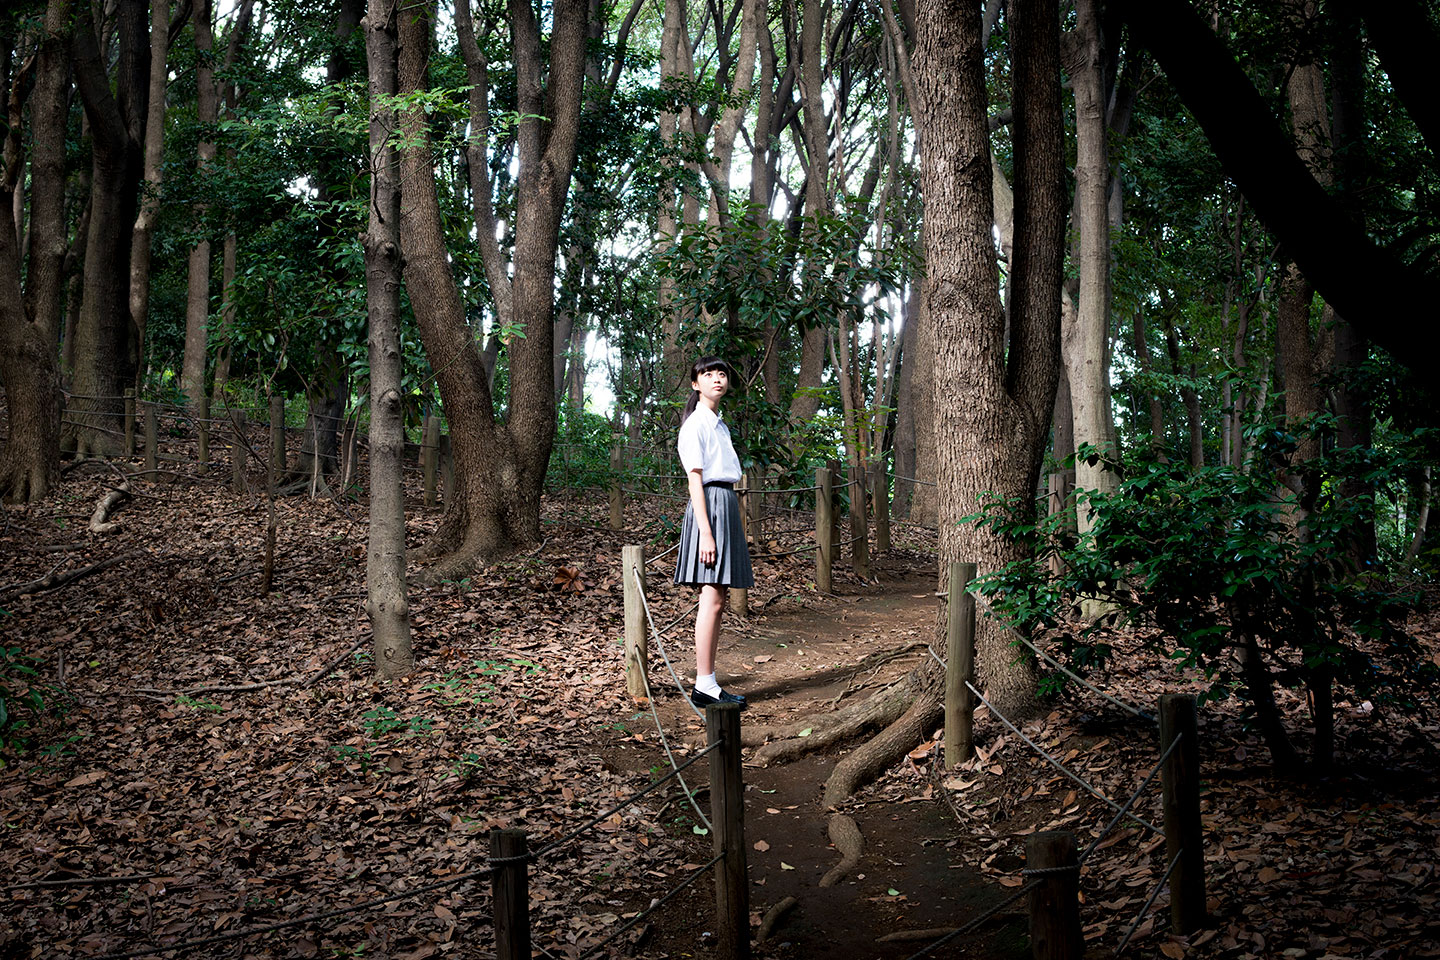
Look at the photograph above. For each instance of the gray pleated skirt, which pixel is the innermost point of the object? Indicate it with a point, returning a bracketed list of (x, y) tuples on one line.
[(732, 554)]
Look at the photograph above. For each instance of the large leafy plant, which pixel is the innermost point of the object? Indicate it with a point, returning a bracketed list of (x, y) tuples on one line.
[(1245, 585)]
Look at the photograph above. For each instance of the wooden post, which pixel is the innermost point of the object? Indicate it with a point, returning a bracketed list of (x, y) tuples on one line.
[(617, 502), (859, 529), (277, 435), (632, 559), (1184, 837), (202, 429), (1055, 901), (237, 451), (430, 456), (834, 467), (727, 817), (510, 886), (881, 487), (129, 421), (824, 529), (152, 437), (959, 666), (447, 471)]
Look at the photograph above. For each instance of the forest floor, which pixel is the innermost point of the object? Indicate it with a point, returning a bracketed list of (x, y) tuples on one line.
[(213, 759)]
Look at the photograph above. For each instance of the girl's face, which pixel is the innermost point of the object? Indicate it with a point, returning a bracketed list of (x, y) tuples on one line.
[(713, 384)]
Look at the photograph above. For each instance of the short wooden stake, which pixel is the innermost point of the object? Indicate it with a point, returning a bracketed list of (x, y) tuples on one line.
[(129, 421), (617, 502), (1055, 901), (277, 435), (727, 817), (1184, 837), (237, 451), (202, 429), (834, 467), (824, 529), (739, 599), (636, 660), (959, 666), (510, 884), (447, 471), (430, 456), (881, 492), (152, 437), (859, 529)]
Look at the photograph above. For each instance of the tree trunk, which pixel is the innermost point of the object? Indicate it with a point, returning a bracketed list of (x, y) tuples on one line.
[(806, 402), (197, 298), (499, 468), (153, 170), (102, 329), (1087, 340), (992, 440), (30, 460), (387, 604), (905, 408), (228, 258)]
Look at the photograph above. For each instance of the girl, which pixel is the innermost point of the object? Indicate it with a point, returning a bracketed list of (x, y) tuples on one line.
[(713, 555)]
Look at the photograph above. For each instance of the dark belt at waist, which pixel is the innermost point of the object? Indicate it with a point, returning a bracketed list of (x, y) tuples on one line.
[(720, 483)]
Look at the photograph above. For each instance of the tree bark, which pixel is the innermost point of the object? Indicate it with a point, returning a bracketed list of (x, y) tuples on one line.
[(499, 468), (1086, 342), (387, 600), (991, 440), (152, 176), (806, 402), (102, 329), (30, 460), (197, 298)]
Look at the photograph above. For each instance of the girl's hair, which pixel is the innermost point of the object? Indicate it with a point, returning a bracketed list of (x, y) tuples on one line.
[(703, 365)]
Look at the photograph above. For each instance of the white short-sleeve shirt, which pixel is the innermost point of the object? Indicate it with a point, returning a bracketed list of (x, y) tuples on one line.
[(705, 445)]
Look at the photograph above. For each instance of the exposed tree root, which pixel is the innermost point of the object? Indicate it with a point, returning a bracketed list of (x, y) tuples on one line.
[(877, 711), (866, 761), (908, 936), (772, 917), (100, 521), (848, 839)]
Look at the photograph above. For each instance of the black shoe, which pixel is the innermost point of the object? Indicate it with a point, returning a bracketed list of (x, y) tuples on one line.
[(703, 700)]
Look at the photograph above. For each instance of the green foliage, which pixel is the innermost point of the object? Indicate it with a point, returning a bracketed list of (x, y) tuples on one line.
[(1222, 559), (24, 701)]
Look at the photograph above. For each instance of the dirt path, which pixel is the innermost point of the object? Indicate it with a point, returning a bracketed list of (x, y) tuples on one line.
[(796, 658)]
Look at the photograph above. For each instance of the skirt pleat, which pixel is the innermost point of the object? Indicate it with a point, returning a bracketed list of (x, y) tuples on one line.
[(732, 554)]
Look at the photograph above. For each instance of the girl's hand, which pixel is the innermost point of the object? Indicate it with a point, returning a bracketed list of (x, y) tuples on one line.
[(707, 549)]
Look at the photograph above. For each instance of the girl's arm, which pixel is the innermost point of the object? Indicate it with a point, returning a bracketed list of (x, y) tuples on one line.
[(702, 517)]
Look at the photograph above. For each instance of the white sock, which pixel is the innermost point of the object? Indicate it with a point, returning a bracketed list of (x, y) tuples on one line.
[(707, 684)]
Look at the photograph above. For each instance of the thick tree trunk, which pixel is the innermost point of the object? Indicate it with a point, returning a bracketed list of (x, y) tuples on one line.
[(387, 604), (993, 441), (102, 329), (499, 468), (30, 459), (44, 286)]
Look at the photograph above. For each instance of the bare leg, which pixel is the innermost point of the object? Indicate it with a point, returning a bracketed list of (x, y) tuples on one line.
[(707, 628)]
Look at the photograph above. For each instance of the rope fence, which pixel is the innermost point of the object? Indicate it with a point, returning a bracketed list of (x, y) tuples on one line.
[(1055, 860), (494, 867)]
